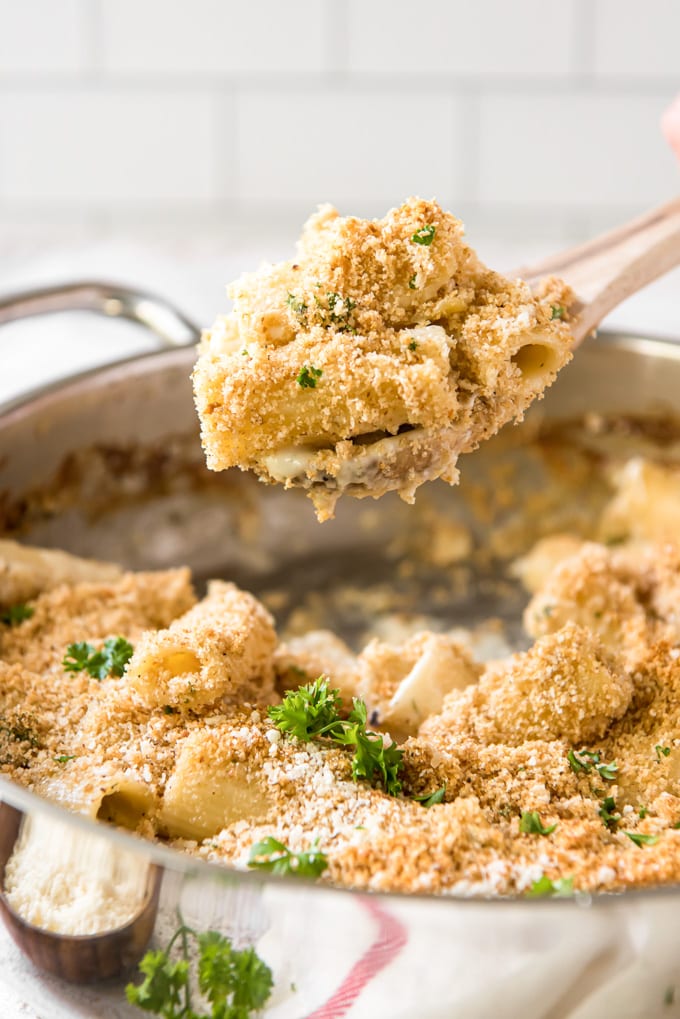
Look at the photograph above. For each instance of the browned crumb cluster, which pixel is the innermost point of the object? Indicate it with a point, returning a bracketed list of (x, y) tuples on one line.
[(181, 747), (377, 326)]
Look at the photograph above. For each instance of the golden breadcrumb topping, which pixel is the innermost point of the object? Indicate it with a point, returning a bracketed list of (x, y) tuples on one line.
[(560, 763), (374, 358)]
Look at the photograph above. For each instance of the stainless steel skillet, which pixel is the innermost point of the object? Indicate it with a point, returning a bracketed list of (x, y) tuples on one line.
[(109, 464)]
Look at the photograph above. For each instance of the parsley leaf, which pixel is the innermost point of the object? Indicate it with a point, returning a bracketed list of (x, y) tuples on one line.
[(530, 824), (561, 888), (413, 345), (307, 376), (297, 305), (164, 986), (308, 711), (63, 758), (313, 712), (110, 660), (640, 839), (372, 761), (275, 857), (557, 311), (607, 811), (119, 652), (585, 760), (340, 308), (431, 799), (425, 235), (412, 281), (235, 983), (15, 614), (661, 751)]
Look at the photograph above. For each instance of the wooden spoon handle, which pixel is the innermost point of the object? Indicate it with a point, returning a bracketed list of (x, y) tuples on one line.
[(607, 270)]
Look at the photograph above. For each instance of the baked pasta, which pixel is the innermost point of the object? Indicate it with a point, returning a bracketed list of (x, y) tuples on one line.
[(376, 357), (553, 770)]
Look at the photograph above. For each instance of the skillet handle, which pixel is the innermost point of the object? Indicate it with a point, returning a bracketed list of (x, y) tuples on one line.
[(170, 326)]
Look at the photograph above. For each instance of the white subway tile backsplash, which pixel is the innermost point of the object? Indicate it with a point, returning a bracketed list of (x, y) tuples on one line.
[(637, 40), (485, 37), (574, 150), (329, 145), (39, 36), (106, 146), (544, 112), (212, 36)]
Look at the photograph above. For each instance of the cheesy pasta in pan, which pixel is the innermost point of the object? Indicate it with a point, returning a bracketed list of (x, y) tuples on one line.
[(408, 766)]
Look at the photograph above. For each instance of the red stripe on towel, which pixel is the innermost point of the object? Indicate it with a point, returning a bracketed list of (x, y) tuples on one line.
[(392, 936)]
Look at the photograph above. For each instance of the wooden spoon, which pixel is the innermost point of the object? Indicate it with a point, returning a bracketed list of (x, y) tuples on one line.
[(604, 272), (77, 958)]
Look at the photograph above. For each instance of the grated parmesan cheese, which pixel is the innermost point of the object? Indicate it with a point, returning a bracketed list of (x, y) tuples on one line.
[(72, 882)]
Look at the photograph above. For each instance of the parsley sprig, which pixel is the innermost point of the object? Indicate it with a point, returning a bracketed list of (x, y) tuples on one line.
[(15, 614), (313, 712), (236, 984), (273, 856), (661, 751), (586, 760), (530, 824), (557, 311), (110, 660), (560, 888)]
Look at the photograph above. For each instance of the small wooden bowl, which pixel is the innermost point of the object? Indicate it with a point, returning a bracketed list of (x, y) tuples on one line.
[(82, 958)]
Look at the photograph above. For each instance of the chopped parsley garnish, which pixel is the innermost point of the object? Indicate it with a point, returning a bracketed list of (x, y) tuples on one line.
[(273, 856), (642, 840), (413, 345), (425, 235), (561, 888), (557, 311), (110, 660), (586, 760), (16, 614), (307, 377), (296, 305), (412, 281), (642, 813), (661, 751), (530, 824), (20, 729), (430, 799), (308, 711), (168, 709), (313, 712), (340, 308), (235, 983), (608, 813), (63, 758)]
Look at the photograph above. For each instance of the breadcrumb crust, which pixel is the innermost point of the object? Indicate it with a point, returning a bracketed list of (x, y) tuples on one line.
[(366, 333), (603, 676)]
